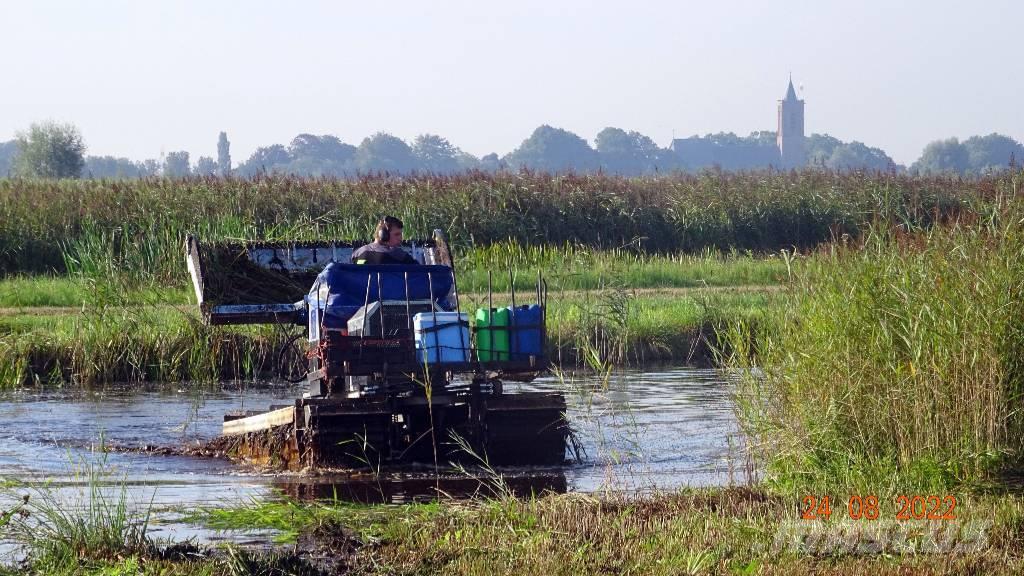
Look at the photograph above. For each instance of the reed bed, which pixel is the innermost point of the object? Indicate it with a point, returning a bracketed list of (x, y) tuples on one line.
[(580, 267), (132, 344), (62, 529), (566, 269), (157, 343), (899, 360), (96, 524), (729, 530), (690, 531), (136, 228)]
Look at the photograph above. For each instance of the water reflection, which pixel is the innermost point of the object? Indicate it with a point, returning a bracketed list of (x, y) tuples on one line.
[(635, 431), (651, 430)]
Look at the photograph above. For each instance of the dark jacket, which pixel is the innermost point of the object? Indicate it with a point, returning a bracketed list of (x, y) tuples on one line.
[(376, 253)]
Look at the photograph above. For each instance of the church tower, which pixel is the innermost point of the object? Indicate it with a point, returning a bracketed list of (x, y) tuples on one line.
[(790, 136)]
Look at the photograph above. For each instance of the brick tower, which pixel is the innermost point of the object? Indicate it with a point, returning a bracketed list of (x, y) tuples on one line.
[(790, 136)]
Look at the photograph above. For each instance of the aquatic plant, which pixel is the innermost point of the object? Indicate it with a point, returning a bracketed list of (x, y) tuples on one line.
[(136, 228), (689, 531), (894, 361), (95, 346), (59, 535), (564, 269)]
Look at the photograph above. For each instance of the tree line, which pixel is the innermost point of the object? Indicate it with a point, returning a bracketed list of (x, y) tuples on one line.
[(57, 150)]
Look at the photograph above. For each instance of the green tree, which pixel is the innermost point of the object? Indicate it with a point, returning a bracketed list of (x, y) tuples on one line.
[(320, 156), (629, 153), (224, 154), (942, 156), (492, 163), (435, 154), (992, 153), (857, 156), (464, 161), (111, 167), (309, 146), (273, 158), (149, 167), (383, 152), (8, 150), (50, 150), (820, 148), (554, 150), (205, 166), (176, 165)]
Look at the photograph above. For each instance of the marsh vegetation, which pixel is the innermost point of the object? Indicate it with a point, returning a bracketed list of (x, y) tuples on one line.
[(872, 326)]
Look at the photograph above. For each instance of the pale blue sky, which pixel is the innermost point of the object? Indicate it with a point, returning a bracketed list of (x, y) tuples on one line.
[(141, 77)]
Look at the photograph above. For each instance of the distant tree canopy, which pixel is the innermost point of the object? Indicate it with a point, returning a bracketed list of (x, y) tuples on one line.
[(992, 153), (110, 167), (383, 152), (223, 154), (320, 156), (8, 150), (176, 165), (824, 151), (553, 150), (942, 156), (435, 154), (307, 154), (492, 163), (976, 155), (50, 150), (205, 166), (819, 149), (629, 153), (548, 148)]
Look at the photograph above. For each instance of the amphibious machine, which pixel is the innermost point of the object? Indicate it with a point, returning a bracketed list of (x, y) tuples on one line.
[(394, 370)]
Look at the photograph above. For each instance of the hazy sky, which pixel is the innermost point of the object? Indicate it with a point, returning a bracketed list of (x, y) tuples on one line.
[(144, 77)]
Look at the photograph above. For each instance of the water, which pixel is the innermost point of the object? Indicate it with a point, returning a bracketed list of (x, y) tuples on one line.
[(651, 430), (637, 431)]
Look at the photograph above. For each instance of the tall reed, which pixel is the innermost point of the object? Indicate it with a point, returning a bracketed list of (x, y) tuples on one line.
[(61, 529), (900, 358), (135, 344), (136, 227)]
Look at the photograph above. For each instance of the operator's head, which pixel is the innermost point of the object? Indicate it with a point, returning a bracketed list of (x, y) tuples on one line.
[(389, 231)]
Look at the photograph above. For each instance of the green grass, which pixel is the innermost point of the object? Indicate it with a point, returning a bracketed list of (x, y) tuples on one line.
[(578, 267), (902, 355), (626, 328), (32, 292), (629, 308), (59, 535), (136, 228), (570, 267), (97, 345), (96, 529), (64, 291), (130, 344), (690, 531), (687, 531)]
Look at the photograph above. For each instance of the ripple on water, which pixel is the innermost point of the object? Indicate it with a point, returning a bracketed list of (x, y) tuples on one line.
[(638, 430)]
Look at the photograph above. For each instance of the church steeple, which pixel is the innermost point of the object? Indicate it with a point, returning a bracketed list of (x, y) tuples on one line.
[(790, 92), (790, 136)]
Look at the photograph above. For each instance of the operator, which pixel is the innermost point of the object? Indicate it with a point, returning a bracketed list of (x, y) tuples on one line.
[(386, 247)]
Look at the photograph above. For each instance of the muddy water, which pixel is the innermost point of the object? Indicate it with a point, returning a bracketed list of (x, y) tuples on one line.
[(635, 431)]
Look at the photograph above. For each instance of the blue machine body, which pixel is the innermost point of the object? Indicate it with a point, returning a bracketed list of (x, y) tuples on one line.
[(341, 290)]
